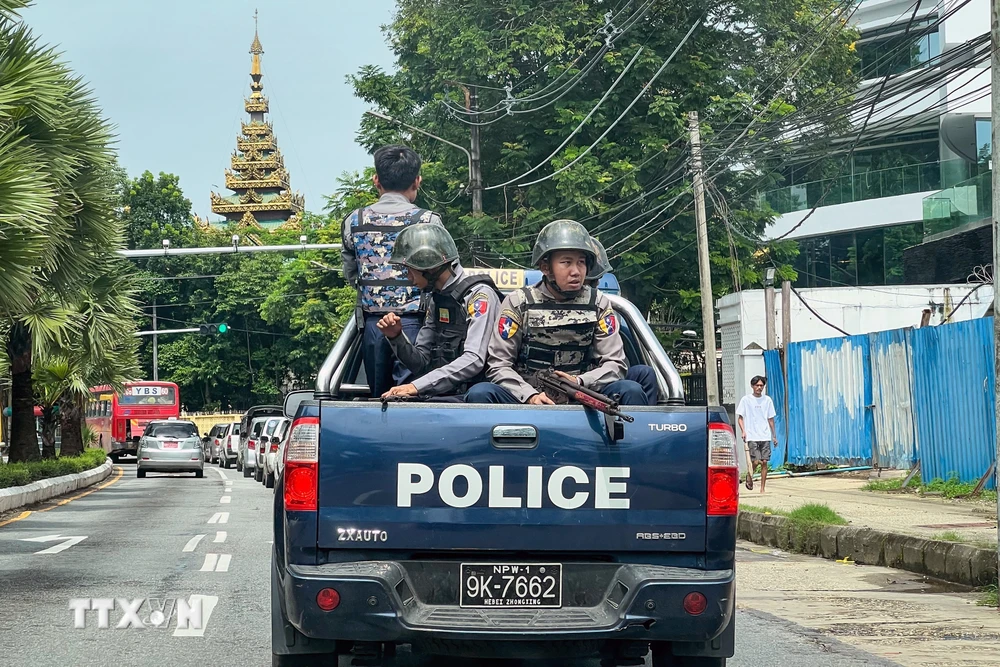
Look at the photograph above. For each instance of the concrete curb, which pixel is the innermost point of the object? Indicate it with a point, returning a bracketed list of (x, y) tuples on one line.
[(950, 561), (18, 496)]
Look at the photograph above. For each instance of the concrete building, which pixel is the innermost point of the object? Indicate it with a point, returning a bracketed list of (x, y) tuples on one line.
[(920, 176)]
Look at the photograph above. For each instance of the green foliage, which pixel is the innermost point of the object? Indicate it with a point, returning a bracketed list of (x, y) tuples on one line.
[(989, 597), (895, 484), (951, 488), (949, 536), (760, 510), (817, 513), (739, 47), (19, 474)]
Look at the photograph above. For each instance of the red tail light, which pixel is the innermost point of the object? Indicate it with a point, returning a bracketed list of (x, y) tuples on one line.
[(695, 604), (328, 599), (723, 473), (302, 466), (251, 444), (274, 448)]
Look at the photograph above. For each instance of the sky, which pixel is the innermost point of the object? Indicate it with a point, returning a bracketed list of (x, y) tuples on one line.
[(171, 76)]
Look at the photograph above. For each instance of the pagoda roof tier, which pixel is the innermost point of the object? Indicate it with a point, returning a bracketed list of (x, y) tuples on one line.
[(253, 129), (257, 103), (251, 201), (276, 179), (244, 144), (273, 161)]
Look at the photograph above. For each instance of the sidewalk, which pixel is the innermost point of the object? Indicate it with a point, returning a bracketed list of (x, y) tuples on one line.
[(927, 517)]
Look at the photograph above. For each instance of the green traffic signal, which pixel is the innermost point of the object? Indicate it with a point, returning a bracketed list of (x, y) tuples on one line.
[(223, 328)]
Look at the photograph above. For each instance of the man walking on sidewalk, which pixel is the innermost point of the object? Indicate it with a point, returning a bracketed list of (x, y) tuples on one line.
[(755, 415)]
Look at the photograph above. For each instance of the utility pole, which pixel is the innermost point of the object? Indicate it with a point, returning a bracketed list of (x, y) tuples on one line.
[(786, 314), (472, 101), (772, 336), (156, 363), (995, 66), (704, 269)]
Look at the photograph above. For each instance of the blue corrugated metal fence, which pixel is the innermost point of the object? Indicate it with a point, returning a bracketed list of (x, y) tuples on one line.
[(890, 398), (953, 398)]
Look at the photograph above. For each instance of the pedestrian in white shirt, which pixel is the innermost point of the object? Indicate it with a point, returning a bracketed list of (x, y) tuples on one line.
[(755, 415)]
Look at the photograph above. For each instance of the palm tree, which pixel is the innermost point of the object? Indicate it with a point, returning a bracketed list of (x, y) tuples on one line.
[(57, 194), (103, 351)]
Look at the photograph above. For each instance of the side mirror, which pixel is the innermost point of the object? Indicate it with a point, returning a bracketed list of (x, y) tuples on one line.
[(294, 399)]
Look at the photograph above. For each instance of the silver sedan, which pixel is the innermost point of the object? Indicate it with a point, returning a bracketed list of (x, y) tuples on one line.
[(171, 446)]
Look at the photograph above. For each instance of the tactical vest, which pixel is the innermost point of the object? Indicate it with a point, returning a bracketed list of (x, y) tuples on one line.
[(556, 335), (382, 287), (451, 320)]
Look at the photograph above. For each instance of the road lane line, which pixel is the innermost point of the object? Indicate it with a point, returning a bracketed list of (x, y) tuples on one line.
[(229, 482), (219, 517), (220, 536), (226, 499), (25, 514), (210, 561), (208, 603), (224, 560), (68, 541), (221, 474), (229, 489), (193, 543)]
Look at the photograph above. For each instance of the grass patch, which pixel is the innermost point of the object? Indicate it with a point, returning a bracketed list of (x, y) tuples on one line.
[(817, 513), (950, 488), (761, 510), (949, 536), (886, 484), (19, 474), (989, 597)]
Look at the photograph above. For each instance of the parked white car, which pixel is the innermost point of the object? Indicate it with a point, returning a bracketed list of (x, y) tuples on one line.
[(274, 451), (229, 446)]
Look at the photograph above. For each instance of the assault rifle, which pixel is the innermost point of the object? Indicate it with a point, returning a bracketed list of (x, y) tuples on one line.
[(613, 417)]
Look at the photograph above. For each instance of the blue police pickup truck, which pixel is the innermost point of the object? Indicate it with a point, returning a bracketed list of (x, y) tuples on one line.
[(504, 531)]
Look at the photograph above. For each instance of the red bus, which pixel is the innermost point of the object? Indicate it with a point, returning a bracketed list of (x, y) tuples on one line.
[(119, 421)]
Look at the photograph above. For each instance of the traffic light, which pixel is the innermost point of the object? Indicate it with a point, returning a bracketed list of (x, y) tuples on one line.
[(212, 329)]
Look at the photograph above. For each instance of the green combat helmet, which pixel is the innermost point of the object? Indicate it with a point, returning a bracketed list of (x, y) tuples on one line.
[(424, 247), (563, 235), (602, 265)]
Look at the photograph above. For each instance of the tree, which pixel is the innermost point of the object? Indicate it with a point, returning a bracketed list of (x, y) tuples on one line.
[(56, 169), (631, 189)]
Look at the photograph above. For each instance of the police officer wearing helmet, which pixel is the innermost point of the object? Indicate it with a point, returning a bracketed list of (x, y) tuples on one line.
[(562, 324), (641, 373), (368, 237), (449, 353)]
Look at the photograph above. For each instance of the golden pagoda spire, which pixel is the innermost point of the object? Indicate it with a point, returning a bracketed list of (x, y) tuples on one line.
[(255, 49)]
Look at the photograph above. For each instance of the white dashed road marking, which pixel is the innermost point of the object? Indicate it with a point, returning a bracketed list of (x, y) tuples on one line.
[(216, 563), (221, 474), (220, 536), (226, 499), (219, 517), (193, 543)]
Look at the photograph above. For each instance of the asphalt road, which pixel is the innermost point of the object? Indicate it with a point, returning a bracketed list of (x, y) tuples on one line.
[(141, 540)]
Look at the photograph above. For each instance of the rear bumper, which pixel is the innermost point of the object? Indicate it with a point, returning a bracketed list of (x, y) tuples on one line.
[(380, 603), (181, 460)]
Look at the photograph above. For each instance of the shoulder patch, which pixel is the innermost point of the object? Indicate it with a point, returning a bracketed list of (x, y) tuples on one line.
[(479, 305), (507, 324), (608, 322)]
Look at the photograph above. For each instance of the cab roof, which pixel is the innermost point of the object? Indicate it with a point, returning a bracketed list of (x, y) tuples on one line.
[(508, 280)]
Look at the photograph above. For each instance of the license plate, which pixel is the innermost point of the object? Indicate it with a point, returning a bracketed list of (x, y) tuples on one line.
[(171, 445), (533, 585)]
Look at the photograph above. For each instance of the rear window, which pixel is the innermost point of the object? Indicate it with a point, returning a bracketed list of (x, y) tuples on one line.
[(236, 429), (178, 430), (271, 426), (257, 428), (145, 395)]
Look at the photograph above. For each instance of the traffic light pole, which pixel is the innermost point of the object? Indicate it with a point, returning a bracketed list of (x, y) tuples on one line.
[(156, 360)]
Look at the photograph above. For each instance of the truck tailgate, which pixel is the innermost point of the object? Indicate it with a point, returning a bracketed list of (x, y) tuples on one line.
[(469, 477)]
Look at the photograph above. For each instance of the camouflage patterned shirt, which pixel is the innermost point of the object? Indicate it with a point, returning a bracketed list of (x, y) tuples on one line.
[(369, 235)]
